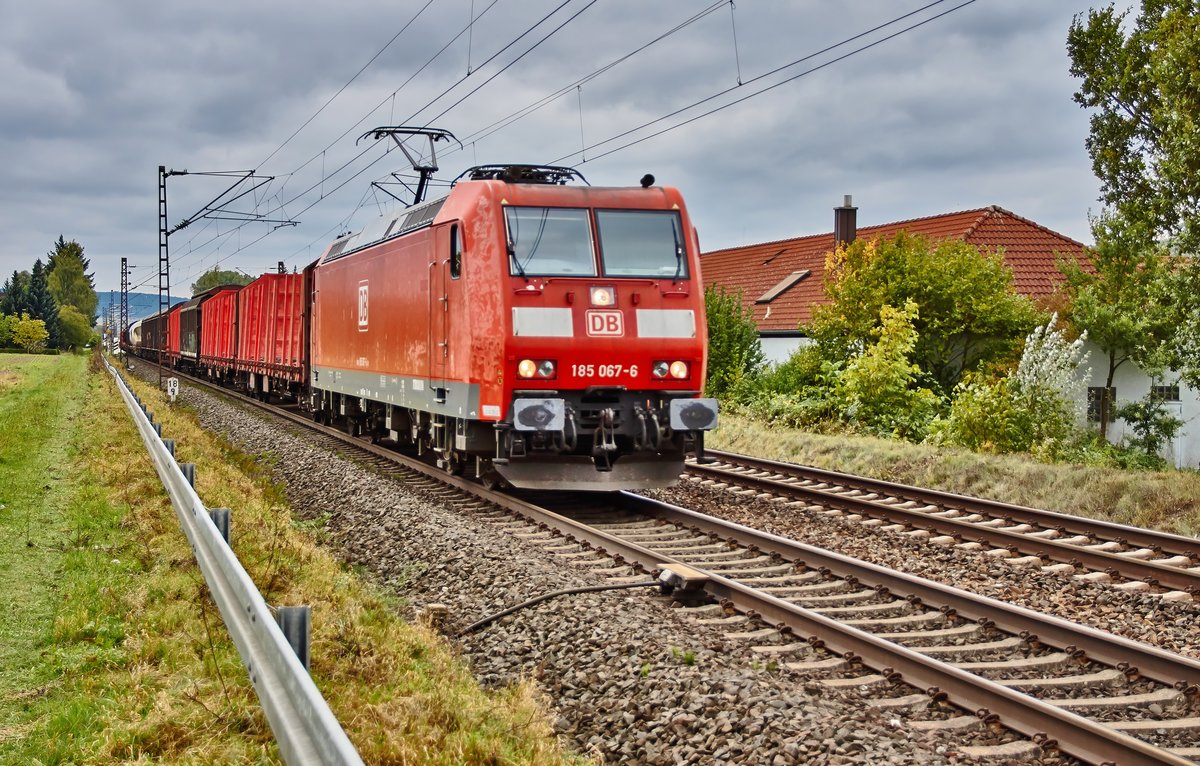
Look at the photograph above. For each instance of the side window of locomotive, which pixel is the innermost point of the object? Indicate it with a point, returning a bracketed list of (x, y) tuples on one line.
[(642, 243), (455, 253), (549, 242)]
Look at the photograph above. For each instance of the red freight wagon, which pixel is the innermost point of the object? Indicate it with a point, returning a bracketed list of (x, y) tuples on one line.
[(171, 350), (218, 330), (271, 336), (555, 334)]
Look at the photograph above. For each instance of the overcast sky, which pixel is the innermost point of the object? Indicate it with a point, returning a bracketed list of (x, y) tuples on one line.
[(968, 110)]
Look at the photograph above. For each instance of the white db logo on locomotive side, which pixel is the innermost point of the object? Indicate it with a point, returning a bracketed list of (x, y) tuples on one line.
[(610, 323), (362, 305)]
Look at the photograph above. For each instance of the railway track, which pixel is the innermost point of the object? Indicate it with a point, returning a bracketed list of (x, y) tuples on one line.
[(939, 657), (1143, 559)]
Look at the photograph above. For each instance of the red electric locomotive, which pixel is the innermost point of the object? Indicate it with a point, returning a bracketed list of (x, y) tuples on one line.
[(546, 334)]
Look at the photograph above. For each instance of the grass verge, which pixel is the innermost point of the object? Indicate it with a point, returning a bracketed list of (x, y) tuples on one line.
[(1167, 500), (128, 662)]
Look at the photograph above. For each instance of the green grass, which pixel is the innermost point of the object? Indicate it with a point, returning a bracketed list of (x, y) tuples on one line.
[(40, 399), (113, 652), (1168, 500)]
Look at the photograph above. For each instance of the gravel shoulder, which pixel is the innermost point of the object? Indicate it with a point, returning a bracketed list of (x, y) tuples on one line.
[(631, 677)]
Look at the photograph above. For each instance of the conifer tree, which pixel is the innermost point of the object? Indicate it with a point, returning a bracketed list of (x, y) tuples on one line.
[(41, 303)]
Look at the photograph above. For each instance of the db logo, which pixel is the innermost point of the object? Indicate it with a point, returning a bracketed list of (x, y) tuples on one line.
[(605, 323), (362, 305)]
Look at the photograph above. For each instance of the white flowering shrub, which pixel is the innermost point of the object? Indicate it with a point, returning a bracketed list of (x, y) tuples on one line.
[(1032, 409), (1048, 376)]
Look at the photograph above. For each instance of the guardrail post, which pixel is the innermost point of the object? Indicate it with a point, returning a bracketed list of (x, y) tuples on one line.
[(189, 473), (158, 429), (295, 622), (170, 445), (220, 517)]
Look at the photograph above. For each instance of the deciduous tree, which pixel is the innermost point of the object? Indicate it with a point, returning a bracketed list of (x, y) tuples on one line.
[(30, 334), (968, 313), (1141, 82), (1122, 303), (73, 327), (734, 351), (214, 277)]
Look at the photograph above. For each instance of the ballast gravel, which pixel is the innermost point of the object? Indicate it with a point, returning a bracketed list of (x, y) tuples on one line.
[(631, 678), (1174, 626)]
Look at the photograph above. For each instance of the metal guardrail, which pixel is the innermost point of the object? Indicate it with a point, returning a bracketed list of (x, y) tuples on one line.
[(305, 729)]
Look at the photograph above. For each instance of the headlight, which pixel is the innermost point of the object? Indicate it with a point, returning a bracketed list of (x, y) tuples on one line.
[(677, 369), (536, 368), (603, 296)]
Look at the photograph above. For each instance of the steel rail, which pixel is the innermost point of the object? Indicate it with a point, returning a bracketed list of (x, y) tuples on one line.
[(1147, 538), (305, 729), (1175, 577), (1111, 649), (1072, 733)]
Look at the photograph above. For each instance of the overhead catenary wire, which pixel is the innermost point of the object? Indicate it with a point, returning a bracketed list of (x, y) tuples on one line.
[(776, 70), (492, 128), (362, 170), (519, 114), (324, 176)]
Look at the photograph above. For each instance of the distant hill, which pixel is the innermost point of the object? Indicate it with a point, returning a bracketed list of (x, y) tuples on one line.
[(140, 304)]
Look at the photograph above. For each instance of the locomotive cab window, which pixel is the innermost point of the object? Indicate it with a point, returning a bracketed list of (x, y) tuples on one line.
[(549, 242), (455, 253), (642, 243)]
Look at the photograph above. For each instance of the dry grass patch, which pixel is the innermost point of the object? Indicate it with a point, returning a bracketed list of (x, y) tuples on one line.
[(145, 672), (1167, 500)]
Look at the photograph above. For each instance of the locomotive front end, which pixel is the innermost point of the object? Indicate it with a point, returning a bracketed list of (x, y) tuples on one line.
[(606, 350)]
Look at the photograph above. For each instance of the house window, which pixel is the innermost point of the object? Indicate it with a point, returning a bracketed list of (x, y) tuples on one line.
[(1165, 393), (1099, 400)]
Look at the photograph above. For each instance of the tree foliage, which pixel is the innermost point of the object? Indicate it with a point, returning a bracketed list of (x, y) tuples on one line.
[(1145, 131), (968, 314), (75, 331), (30, 334), (8, 323), (215, 277), (41, 303), (68, 280), (16, 294), (1122, 303), (734, 351), (879, 390), (1032, 408)]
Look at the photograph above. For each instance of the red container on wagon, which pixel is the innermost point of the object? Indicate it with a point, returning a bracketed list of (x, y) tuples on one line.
[(171, 351), (218, 329), (271, 340)]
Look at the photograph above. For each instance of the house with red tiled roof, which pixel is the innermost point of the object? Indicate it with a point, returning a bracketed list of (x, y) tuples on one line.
[(782, 281)]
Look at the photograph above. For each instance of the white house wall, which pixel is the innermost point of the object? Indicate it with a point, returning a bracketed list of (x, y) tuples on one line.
[(777, 349), (1133, 384)]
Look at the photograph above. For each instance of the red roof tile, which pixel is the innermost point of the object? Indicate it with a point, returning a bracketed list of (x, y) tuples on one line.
[(1030, 250)]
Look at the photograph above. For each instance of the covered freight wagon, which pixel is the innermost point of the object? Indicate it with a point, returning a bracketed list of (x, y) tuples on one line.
[(218, 330), (271, 337)]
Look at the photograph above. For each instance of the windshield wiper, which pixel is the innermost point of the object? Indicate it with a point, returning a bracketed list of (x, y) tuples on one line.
[(678, 252)]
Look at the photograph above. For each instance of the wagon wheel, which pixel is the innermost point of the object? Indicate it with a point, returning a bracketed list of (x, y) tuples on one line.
[(454, 463)]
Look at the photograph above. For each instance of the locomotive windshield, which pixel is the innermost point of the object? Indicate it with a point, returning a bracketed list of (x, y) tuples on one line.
[(549, 242), (641, 243)]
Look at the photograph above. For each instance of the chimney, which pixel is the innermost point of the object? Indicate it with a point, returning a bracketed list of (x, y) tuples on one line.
[(845, 222)]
